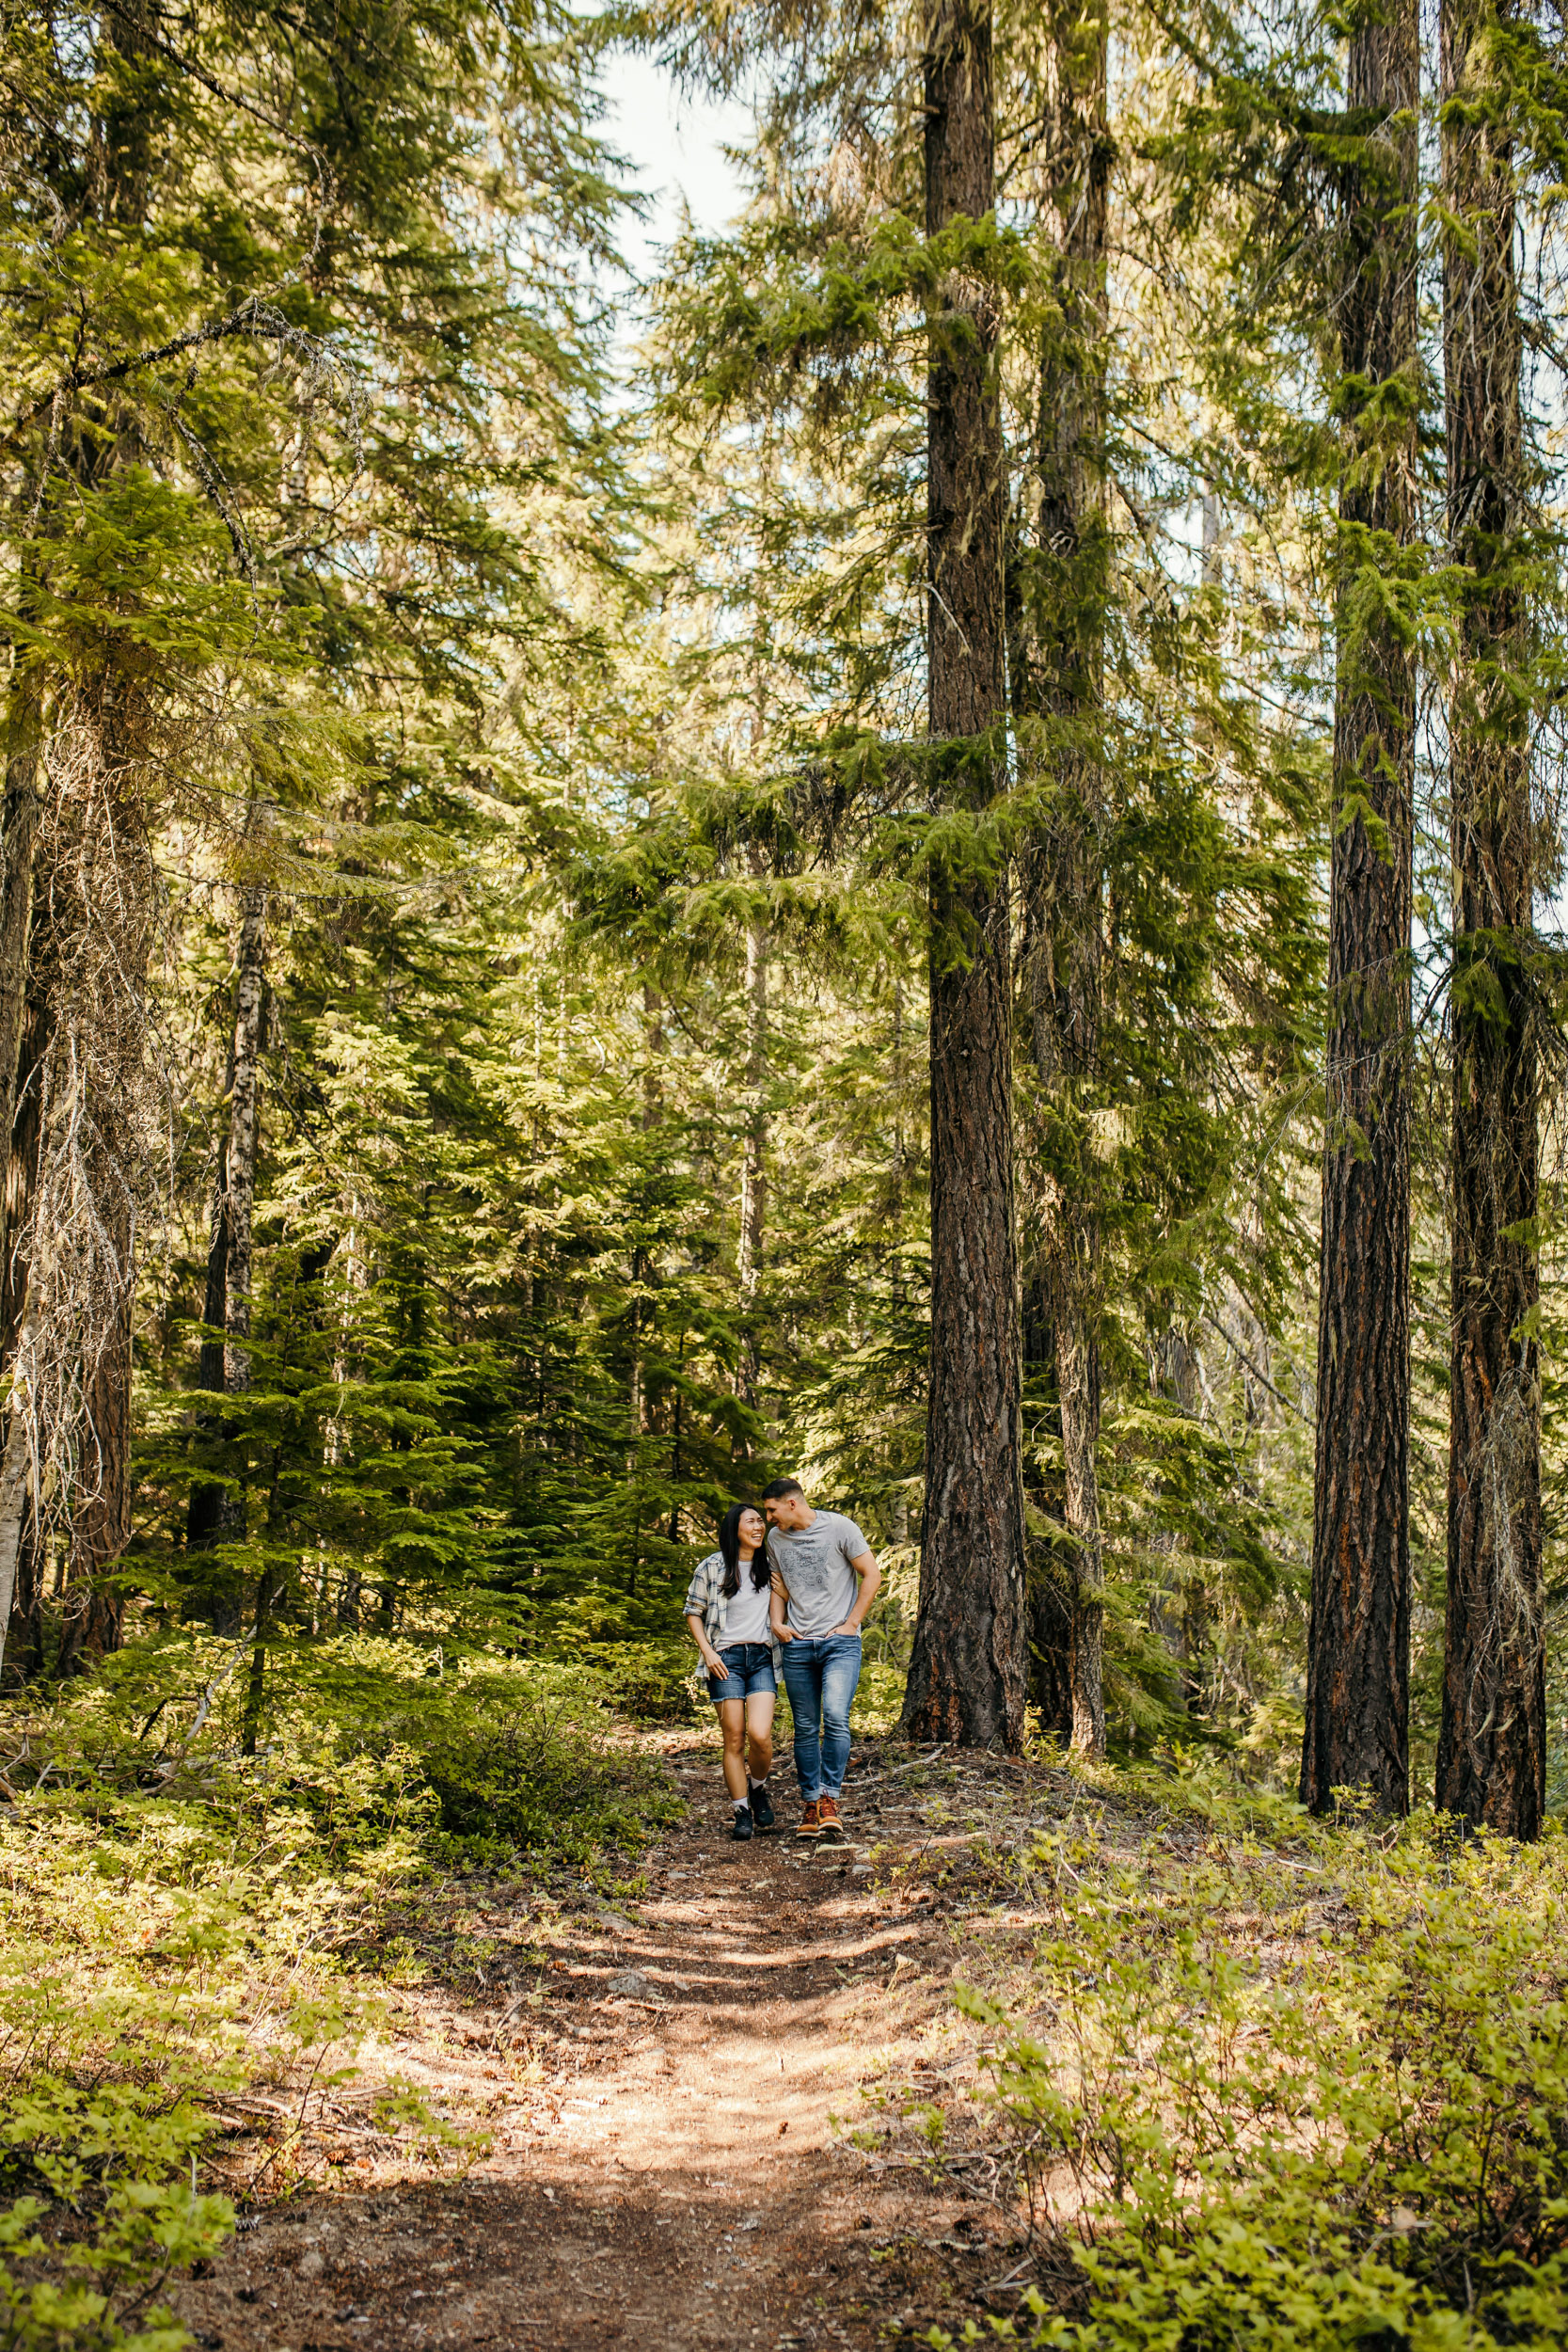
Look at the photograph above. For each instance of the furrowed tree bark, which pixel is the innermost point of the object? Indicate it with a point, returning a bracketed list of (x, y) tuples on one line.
[(14, 1468), (101, 1527), (19, 827), (1058, 692), (1357, 1677), (22, 1168), (898, 1501), (966, 1679), (1492, 1747), (21, 1186), (101, 1515), (19, 831)]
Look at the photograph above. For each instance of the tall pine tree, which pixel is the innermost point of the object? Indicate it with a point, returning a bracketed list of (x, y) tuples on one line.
[(966, 1673), (1357, 1671), (1492, 1750)]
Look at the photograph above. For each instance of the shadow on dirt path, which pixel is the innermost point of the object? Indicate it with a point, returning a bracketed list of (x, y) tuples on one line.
[(664, 2167)]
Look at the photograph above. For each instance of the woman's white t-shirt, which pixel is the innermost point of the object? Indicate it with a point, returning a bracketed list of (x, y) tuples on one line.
[(746, 1612)]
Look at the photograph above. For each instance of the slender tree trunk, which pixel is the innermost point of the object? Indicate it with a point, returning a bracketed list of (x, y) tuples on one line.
[(243, 1126), (223, 1368), (1492, 1748), (203, 1516), (1050, 1583), (675, 1469), (753, 1164), (239, 1168), (1078, 1387), (255, 1681), (1058, 691), (1358, 1668), (270, 1589), (966, 1677), (642, 1416), (356, 1279), (1173, 1374), (641, 1421)]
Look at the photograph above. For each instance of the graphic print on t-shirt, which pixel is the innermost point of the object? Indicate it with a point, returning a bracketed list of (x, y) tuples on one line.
[(814, 1563)]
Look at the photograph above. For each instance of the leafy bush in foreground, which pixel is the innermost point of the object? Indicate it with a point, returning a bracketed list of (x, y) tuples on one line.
[(363, 1741), (1298, 2104), (179, 1924)]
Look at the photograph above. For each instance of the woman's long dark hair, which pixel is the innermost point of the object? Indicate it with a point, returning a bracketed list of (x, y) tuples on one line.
[(729, 1544)]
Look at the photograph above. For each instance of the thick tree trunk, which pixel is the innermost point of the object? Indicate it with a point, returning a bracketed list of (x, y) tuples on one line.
[(1492, 1749), (100, 1518), (15, 1469), (101, 1527), (898, 1187), (1057, 686), (26, 1131), (19, 828), (1358, 1669), (966, 1677)]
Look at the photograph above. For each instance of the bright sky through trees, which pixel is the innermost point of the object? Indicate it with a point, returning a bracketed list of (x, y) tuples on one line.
[(675, 145)]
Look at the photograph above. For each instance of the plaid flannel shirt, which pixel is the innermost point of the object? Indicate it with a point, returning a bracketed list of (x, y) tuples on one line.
[(706, 1599)]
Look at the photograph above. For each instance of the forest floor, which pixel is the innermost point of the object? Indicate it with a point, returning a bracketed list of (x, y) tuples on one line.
[(736, 2104)]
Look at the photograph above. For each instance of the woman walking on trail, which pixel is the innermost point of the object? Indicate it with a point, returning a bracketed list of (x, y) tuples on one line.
[(728, 1610)]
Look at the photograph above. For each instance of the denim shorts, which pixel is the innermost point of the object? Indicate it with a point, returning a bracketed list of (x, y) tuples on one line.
[(750, 1669)]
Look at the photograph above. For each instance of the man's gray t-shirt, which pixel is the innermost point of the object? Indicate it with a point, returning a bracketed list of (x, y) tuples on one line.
[(814, 1563)]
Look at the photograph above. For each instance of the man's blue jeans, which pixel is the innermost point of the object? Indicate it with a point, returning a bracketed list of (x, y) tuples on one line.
[(820, 1677)]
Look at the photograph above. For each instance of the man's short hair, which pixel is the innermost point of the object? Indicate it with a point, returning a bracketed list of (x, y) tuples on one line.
[(776, 1491)]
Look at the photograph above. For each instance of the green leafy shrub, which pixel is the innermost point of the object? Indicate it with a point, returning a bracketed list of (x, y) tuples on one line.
[(1302, 2103), (368, 1747), (104, 2303), (648, 1681), (179, 1921), (525, 1754)]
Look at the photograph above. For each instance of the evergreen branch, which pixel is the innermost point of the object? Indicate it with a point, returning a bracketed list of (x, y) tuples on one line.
[(250, 317), (137, 22)]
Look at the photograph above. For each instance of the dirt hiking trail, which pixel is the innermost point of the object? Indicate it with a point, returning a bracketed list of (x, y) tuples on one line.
[(669, 2093)]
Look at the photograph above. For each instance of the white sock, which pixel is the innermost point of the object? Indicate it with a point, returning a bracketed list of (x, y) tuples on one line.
[(740, 1804), (752, 1783)]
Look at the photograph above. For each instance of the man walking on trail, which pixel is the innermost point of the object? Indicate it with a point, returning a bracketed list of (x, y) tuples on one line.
[(825, 1579)]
